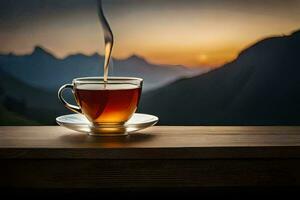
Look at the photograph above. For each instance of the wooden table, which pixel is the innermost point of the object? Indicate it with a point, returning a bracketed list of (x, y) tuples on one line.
[(161, 156)]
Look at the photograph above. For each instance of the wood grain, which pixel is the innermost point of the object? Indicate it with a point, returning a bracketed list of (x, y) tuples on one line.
[(164, 142), (162, 156), (148, 173)]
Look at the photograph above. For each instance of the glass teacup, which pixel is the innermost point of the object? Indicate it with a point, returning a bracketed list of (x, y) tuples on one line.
[(107, 105)]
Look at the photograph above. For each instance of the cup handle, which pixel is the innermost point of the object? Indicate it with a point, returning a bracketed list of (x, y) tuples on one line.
[(64, 102)]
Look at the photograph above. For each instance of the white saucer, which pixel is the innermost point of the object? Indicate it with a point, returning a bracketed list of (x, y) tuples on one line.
[(78, 122)]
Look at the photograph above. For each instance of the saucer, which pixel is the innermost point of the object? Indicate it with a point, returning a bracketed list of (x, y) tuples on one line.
[(80, 123)]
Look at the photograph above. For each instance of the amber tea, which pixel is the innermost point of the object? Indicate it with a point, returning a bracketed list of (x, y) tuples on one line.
[(108, 103), (103, 102)]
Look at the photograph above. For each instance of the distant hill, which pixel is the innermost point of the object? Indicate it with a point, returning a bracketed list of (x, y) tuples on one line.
[(29, 83), (8, 118), (21, 104), (260, 87), (42, 70)]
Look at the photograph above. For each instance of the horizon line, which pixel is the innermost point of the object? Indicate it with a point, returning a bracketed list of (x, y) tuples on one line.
[(48, 51), (45, 49)]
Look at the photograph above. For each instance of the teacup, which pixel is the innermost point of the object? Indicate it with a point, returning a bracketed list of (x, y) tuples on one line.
[(105, 104)]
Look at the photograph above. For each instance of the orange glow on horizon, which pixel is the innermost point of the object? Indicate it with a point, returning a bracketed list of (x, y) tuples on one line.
[(193, 36)]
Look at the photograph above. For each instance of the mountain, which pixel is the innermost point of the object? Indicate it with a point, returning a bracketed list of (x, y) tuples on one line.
[(29, 83), (42, 70), (260, 87), (21, 104)]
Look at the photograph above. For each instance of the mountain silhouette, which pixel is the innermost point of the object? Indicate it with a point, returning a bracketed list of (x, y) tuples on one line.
[(260, 87), (42, 70), (29, 83), (22, 104), (41, 52)]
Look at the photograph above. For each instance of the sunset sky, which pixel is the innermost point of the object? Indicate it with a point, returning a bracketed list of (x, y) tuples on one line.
[(191, 32)]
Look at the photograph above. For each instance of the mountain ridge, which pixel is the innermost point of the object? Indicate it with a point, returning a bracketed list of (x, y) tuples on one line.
[(258, 88), (38, 49), (42, 69)]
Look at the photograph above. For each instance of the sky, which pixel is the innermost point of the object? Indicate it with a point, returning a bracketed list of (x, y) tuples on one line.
[(193, 33)]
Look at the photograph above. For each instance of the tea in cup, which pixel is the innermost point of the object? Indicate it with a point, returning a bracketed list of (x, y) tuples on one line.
[(104, 103)]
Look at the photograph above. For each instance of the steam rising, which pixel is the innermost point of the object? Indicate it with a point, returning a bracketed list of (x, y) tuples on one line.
[(108, 38)]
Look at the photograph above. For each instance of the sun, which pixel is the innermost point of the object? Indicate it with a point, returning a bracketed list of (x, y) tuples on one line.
[(202, 57)]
